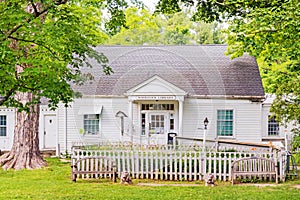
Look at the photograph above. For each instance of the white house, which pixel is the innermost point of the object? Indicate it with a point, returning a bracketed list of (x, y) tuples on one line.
[(157, 90)]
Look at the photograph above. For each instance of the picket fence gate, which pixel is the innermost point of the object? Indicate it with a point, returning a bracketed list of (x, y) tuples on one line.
[(173, 164)]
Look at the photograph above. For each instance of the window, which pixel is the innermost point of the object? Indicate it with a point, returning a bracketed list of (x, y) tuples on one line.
[(143, 124), (157, 106), (225, 123), (91, 124), (273, 126), (2, 125), (157, 124)]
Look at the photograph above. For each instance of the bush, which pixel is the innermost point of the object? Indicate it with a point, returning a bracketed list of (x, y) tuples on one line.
[(295, 145)]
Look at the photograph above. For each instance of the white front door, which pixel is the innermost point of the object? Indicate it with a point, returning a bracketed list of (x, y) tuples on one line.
[(158, 127), (50, 131)]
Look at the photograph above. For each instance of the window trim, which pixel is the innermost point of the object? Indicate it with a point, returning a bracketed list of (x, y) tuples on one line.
[(99, 125), (273, 123), (5, 126), (233, 123)]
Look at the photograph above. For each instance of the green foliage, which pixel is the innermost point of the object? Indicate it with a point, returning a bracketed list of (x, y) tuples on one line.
[(50, 42), (141, 28), (176, 29), (172, 6), (209, 33), (116, 15), (295, 146), (117, 19), (168, 6), (297, 158)]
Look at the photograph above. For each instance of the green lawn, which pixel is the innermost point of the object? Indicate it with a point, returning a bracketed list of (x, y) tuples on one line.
[(54, 182)]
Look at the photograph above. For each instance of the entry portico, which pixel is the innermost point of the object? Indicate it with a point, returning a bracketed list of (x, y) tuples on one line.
[(159, 110)]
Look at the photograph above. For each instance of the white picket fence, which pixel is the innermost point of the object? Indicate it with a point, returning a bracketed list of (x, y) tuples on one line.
[(176, 164)]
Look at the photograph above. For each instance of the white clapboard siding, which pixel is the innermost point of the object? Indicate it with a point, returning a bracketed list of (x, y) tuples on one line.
[(174, 164)]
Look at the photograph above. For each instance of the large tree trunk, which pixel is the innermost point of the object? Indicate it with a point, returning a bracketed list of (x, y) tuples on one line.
[(25, 153)]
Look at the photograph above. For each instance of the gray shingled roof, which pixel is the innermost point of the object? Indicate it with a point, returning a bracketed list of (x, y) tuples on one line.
[(199, 70)]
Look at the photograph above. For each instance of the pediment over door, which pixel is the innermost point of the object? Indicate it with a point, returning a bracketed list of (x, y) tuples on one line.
[(156, 86)]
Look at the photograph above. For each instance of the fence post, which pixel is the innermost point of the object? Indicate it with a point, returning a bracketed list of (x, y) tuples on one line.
[(203, 159), (217, 145)]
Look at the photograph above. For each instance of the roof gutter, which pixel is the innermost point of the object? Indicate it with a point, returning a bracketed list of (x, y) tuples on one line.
[(261, 98)]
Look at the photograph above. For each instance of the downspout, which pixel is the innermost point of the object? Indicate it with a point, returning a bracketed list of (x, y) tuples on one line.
[(180, 117), (58, 153), (66, 130), (261, 124), (130, 115)]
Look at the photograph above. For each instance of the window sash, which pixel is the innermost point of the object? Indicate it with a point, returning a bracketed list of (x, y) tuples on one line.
[(273, 126), (225, 122)]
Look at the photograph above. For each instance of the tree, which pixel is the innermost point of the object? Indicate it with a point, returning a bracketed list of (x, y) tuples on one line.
[(268, 30), (141, 28), (209, 33), (43, 46), (177, 29), (116, 12)]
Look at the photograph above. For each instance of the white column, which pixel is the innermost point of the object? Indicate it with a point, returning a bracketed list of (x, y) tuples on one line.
[(286, 139), (204, 138), (180, 117), (130, 116)]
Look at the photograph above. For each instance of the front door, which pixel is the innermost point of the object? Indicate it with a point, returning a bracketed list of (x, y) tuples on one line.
[(158, 127), (50, 131)]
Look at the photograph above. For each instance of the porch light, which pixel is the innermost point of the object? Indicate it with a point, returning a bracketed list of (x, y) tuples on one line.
[(205, 123)]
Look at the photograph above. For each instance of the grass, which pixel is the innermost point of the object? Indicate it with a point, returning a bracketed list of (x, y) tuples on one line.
[(54, 182)]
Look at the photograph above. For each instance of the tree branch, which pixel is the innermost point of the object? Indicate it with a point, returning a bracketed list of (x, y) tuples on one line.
[(28, 20), (36, 43), (36, 12), (7, 95), (280, 72), (59, 2)]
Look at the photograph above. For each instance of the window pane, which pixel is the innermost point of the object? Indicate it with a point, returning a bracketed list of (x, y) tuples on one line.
[(171, 124), (2, 120), (2, 125), (171, 107), (2, 131), (143, 124)]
